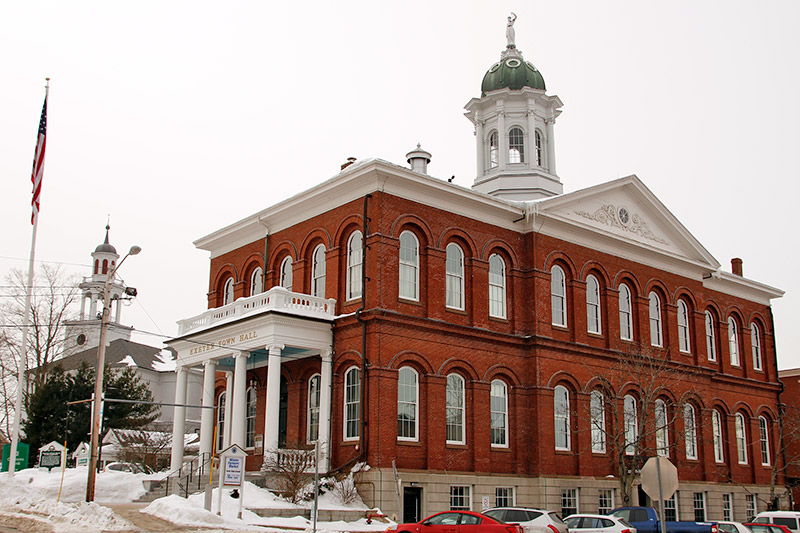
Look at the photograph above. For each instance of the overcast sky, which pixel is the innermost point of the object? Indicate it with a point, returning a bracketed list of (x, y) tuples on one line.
[(179, 118)]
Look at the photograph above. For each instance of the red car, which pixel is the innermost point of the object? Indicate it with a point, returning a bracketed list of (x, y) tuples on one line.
[(458, 522)]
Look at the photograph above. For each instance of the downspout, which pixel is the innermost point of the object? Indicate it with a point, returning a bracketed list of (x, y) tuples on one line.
[(363, 434), (781, 410)]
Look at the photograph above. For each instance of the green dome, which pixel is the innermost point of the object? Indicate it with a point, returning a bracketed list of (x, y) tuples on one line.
[(512, 73)]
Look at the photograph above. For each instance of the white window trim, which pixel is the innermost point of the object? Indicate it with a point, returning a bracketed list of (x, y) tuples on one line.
[(733, 342), (520, 146), (690, 435), (413, 266), (695, 508), (503, 301), (741, 438), (662, 430), (505, 415), (684, 333), (711, 337), (625, 312), (351, 269), (558, 293), (287, 273), (415, 437), (598, 423), (560, 418), (309, 425), (610, 492), (318, 272), (763, 437), (593, 302), (459, 276), (256, 281), (222, 398), (575, 493), (247, 418), (511, 492), (467, 494), (345, 436), (630, 422), (716, 431), (656, 329), (755, 343), (228, 295), (462, 409), (493, 163)]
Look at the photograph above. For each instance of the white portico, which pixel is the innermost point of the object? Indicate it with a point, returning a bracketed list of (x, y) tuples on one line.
[(262, 330)]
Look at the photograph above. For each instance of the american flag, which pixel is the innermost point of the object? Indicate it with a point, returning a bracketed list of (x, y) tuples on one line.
[(38, 162)]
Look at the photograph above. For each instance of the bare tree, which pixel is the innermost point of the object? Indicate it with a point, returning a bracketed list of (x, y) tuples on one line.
[(53, 293), (785, 453), (292, 468)]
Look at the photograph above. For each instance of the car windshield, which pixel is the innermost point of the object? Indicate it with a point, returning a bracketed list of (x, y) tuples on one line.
[(791, 523), (497, 514)]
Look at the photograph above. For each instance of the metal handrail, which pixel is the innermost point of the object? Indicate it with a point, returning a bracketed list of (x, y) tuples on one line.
[(184, 481)]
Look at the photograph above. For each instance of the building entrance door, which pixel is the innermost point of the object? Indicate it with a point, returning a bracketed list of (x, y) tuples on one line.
[(412, 504)]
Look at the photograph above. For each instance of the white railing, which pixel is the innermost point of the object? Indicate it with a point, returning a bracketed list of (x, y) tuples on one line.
[(277, 298)]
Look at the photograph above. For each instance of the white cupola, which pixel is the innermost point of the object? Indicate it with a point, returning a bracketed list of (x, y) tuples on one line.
[(514, 119)]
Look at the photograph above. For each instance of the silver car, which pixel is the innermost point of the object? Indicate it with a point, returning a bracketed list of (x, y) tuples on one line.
[(595, 523), (531, 520)]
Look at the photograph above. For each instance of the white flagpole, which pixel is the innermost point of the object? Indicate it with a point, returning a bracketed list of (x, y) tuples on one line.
[(23, 362)]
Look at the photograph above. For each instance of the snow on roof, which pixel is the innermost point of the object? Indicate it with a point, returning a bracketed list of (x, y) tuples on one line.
[(164, 361), (127, 360)]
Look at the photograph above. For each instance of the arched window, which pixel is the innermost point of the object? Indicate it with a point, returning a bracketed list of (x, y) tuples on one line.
[(499, 413), (96, 266), (409, 266), (250, 418), (318, 272), (221, 399), (690, 431), (593, 323), (716, 430), (286, 273), (741, 438), (558, 296), (561, 416), (755, 341), (352, 403), (733, 341), (763, 432), (662, 428), (494, 148), (227, 293), (355, 259), (105, 266), (455, 409), (407, 404), (597, 411), (312, 431), (454, 267), (655, 320), (711, 339), (256, 281), (630, 419), (625, 314), (538, 148), (683, 327), (516, 146), (497, 286)]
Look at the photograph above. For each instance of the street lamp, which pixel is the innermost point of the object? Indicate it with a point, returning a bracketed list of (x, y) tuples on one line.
[(98, 383)]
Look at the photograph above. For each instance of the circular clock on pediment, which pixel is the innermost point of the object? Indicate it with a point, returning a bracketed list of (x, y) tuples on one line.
[(623, 215)]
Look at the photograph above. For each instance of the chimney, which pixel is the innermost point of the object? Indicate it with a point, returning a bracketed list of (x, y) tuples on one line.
[(350, 161), (419, 159), (736, 266)]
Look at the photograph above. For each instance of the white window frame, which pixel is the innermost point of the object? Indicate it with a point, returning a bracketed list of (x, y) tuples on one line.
[(750, 505), (408, 269), (256, 281), (763, 437), (662, 428), (408, 398), (251, 406), (352, 404), (690, 431), (460, 498), (318, 269), (594, 322), (671, 504), (504, 497), (699, 506), (221, 400), (287, 274), (605, 501), (516, 145), (312, 425), (683, 328), (630, 415), (561, 418), (741, 438), (538, 148), (716, 431), (497, 286), (227, 292), (454, 274), (558, 296), (499, 413), (733, 342), (711, 337), (355, 262), (494, 149), (455, 408), (654, 307), (727, 506), (569, 500), (625, 313), (597, 414), (755, 343)]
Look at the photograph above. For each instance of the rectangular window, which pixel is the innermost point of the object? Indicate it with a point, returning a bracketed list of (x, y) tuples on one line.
[(605, 501), (504, 497), (727, 507), (750, 506), (460, 498), (671, 508), (569, 501), (699, 500)]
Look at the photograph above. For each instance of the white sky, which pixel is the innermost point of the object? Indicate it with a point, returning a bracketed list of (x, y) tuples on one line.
[(178, 118)]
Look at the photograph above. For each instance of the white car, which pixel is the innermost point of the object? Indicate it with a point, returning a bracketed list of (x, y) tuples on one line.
[(531, 520), (728, 526), (597, 523), (788, 519)]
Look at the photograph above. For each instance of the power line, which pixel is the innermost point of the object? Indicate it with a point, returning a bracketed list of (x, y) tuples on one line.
[(45, 261)]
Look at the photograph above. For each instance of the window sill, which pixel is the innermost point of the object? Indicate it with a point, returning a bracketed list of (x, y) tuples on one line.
[(498, 319), (456, 445), (595, 335), (559, 327), (456, 310), (350, 442), (501, 449), (408, 442), (409, 301)]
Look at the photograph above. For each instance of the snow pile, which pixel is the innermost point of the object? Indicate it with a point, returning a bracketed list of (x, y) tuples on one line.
[(110, 487)]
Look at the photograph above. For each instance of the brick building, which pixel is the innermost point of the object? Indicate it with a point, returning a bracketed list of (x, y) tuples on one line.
[(505, 342)]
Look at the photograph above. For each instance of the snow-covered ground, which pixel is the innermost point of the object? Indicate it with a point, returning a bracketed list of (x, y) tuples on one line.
[(35, 494)]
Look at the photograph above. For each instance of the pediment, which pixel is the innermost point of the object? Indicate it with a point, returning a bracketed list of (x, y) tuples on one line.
[(623, 217)]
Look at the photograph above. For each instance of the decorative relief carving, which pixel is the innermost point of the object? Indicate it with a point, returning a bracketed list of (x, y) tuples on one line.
[(609, 215)]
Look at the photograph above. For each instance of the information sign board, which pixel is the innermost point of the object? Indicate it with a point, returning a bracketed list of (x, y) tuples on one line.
[(234, 466), (50, 459)]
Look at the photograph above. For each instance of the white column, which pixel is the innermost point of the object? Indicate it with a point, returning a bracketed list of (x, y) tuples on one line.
[(551, 147), (118, 314), (273, 400), (179, 420), (502, 138), (207, 415), (226, 438), (239, 399), (93, 307), (326, 372), (83, 306), (481, 148), (530, 158)]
